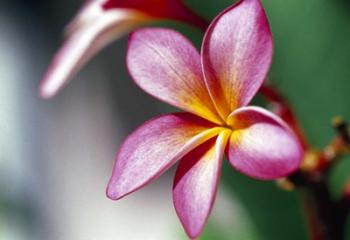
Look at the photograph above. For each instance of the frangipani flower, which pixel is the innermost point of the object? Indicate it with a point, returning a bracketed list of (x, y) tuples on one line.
[(100, 22), (214, 89)]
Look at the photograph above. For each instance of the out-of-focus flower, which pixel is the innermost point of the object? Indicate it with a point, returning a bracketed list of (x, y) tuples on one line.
[(100, 22), (214, 89)]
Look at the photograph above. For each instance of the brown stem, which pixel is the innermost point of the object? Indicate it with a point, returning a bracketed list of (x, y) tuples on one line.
[(326, 217)]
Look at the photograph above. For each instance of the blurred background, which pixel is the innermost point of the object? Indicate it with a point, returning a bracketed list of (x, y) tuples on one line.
[(56, 155)]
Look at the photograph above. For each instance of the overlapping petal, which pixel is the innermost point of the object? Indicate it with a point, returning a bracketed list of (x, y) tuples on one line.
[(196, 182), (154, 147), (88, 33), (262, 145), (166, 65), (236, 55)]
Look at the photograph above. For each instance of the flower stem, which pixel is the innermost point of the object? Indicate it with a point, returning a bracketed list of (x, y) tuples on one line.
[(326, 217)]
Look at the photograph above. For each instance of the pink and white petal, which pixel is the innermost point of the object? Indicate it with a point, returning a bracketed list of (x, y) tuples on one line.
[(196, 182), (236, 55), (167, 66), (153, 148), (262, 145), (84, 40)]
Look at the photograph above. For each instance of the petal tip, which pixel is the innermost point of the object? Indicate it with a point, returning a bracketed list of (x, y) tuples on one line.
[(112, 193), (194, 233), (46, 91)]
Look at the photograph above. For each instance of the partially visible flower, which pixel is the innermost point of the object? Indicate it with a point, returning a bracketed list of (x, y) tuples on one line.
[(214, 89), (100, 22)]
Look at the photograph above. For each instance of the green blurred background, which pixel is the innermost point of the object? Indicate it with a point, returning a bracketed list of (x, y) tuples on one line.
[(311, 67)]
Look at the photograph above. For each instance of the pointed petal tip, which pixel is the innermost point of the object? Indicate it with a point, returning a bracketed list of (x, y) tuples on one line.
[(112, 193), (46, 91), (194, 235), (191, 232)]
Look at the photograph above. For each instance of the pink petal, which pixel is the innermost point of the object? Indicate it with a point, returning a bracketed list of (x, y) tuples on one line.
[(89, 32), (166, 65), (262, 145), (236, 55), (196, 182), (153, 148)]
